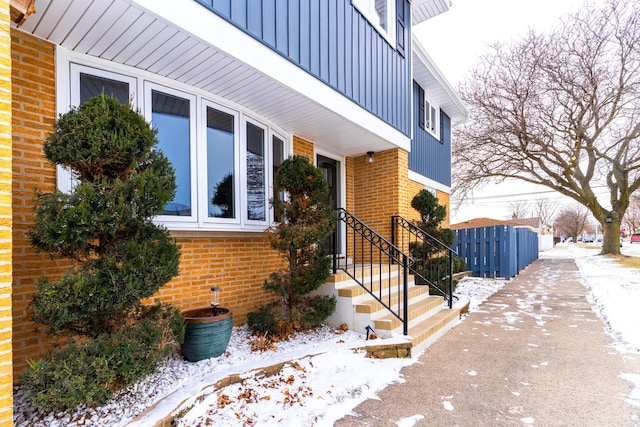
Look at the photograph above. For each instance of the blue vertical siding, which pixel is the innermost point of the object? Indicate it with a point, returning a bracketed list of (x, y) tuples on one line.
[(332, 41), (430, 157)]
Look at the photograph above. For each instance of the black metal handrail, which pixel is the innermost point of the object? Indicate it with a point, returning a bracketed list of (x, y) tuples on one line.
[(369, 252), (431, 260)]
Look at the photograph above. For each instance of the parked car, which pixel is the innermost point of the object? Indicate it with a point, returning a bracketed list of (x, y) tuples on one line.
[(635, 238), (588, 239)]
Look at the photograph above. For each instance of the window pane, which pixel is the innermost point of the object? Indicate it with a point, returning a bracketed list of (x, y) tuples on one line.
[(91, 86), (170, 116), (278, 157), (220, 164), (256, 209)]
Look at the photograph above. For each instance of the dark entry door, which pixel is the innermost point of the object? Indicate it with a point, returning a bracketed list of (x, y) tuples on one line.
[(331, 170)]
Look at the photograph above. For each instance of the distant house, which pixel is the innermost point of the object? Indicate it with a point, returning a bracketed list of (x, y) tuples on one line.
[(233, 87)]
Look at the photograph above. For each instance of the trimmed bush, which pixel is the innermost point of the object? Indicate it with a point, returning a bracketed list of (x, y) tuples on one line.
[(119, 257), (307, 222)]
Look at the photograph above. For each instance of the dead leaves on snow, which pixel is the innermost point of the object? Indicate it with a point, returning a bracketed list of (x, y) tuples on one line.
[(284, 390)]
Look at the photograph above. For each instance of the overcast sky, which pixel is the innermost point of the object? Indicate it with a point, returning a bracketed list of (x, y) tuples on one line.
[(455, 39)]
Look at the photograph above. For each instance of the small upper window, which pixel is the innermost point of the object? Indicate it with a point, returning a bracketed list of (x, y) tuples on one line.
[(381, 14), (428, 114), (432, 120)]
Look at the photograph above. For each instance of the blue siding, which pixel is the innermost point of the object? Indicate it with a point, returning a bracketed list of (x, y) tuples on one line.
[(332, 41), (430, 157)]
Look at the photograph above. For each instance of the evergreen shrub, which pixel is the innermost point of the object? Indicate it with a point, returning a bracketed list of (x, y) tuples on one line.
[(119, 257), (307, 222)]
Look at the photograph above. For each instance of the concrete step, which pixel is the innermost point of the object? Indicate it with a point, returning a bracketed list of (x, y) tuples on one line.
[(417, 309), (371, 305)]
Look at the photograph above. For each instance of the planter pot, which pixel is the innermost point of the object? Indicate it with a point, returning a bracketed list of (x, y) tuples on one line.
[(206, 335)]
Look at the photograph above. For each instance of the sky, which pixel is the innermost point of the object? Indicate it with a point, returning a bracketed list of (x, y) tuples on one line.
[(455, 40)]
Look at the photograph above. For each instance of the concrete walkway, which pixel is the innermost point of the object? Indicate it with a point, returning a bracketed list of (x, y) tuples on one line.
[(535, 354)]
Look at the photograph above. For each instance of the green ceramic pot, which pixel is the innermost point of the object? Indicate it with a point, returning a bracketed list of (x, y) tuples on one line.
[(206, 335)]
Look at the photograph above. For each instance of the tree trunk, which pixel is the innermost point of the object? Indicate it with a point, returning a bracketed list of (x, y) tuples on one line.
[(611, 239)]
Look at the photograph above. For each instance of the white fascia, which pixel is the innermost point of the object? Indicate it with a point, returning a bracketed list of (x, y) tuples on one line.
[(215, 31), (429, 183)]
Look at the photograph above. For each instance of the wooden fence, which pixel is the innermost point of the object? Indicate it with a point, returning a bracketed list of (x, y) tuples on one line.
[(500, 251)]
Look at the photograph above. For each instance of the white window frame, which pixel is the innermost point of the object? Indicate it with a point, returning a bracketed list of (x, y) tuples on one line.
[(205, 219), (244, 169), (368, 9), (148, 87), (66, 181), (286, 152), (428, 108), (141, 83)]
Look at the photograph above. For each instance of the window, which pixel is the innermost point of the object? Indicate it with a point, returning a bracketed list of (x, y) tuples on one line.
[(224, 160), (255, 175), (428, 114), (431, 123), (221, 169), (382, 15), (277, 150), (171, 113)]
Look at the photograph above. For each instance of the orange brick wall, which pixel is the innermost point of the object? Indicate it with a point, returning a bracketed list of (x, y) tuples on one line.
[(445, 200), (33, 116), (302, 147), (6, 348), (236, 262), (379, 189)]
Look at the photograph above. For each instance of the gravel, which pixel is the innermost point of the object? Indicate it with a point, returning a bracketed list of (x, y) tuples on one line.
[(173, 373)]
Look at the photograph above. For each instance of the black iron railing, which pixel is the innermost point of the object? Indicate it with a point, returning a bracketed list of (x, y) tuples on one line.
[(431, 261), (371, 261)]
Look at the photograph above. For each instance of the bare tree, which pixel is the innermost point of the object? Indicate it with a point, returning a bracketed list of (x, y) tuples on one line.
[(545, 210), (518, 209), (632, 216), (561, 110), (572, 221)]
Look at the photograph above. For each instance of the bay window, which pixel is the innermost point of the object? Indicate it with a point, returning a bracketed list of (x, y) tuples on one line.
[(224, 159)]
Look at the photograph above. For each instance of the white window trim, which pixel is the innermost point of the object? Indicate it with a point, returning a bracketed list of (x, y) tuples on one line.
[(205, 220), (66, 181), (244, 169), (65, 80), (148, 88), (366, 9), (428, 105), (286, 152)]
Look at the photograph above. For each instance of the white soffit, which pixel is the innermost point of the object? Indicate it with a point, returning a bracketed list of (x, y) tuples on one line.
[(183, 41), (426, 9), (436, 86)]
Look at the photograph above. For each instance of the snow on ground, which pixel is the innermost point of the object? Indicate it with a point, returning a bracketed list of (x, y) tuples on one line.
[(326, 378)]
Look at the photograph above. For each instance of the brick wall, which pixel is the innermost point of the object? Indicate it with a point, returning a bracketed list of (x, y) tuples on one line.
[(33, 116), (302, 147), (379, 189), (6, 355), (236, 262)]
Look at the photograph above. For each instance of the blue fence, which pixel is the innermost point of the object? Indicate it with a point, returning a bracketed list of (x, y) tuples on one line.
[(500, 251)]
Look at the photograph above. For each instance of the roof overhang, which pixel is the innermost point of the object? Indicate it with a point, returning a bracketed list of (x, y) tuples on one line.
[(427, 9), (182, 41), (438, 88)]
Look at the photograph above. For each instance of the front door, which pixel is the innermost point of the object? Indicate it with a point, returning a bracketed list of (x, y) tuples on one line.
[(331, 170)]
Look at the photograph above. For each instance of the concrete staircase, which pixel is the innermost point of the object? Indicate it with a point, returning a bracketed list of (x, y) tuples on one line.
[(429, 316)]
